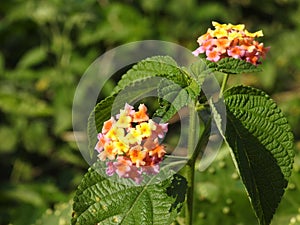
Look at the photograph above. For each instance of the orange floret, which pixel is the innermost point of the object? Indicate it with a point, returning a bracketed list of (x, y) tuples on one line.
[(109, 152), (159, 150), (141, 115), (107, 125), (137, 156)]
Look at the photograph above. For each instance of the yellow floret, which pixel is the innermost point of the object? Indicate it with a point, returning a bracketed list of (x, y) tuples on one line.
[(134, 136), (234, 35), (115, 133), (256, 34), (121, 147), (220, 32), (144, 129), (124, 120)]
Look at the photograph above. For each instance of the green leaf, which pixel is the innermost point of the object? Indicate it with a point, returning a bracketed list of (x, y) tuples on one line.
[(174, 96), (33, 57), (137, 90), (25, 103), (163, 66), (233, 66), (178, 87), (216, 108), (100, 201), (262, 147), (9, 139), (198, 71)]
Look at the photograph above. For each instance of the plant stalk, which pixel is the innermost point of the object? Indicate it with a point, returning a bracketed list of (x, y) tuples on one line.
[(190, 175), (224, 82), (193, 152), (190, 167)]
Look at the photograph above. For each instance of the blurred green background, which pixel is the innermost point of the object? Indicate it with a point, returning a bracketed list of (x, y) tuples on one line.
[(45, 47)]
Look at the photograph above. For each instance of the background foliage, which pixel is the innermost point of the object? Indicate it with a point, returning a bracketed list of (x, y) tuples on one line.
[(47, 45)]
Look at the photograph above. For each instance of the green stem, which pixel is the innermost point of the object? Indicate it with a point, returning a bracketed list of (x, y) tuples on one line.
[(192, 129), (225, 79), (202, 142), (190, 175), (192, 157), (190, 168)]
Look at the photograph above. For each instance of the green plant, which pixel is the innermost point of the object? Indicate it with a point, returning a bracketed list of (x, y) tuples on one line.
[(257, 132), (46, 47)]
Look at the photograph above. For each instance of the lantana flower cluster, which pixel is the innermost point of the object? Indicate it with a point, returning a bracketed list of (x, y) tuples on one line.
[(228, 40), (130, 144)]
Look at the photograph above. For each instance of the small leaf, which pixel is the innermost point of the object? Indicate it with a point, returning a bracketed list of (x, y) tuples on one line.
[(216, 109), (233, 66), (262, 145), (174, 96), (100, 201), (33, 57), (9, 139), (25, 103), (199, 70)]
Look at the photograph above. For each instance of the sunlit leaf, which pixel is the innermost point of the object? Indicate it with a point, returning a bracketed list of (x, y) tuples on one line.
[(163, 66), (101, 201), (262, 145), (233, 66), (174, 96)]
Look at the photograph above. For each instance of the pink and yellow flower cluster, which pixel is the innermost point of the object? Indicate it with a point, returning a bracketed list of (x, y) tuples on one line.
[(228, 40), (129, 143)]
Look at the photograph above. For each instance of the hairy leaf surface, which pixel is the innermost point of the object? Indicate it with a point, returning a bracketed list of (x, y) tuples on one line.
[(262, 147), (100, 201), (163, 66), (233, 66), (174, 96)]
